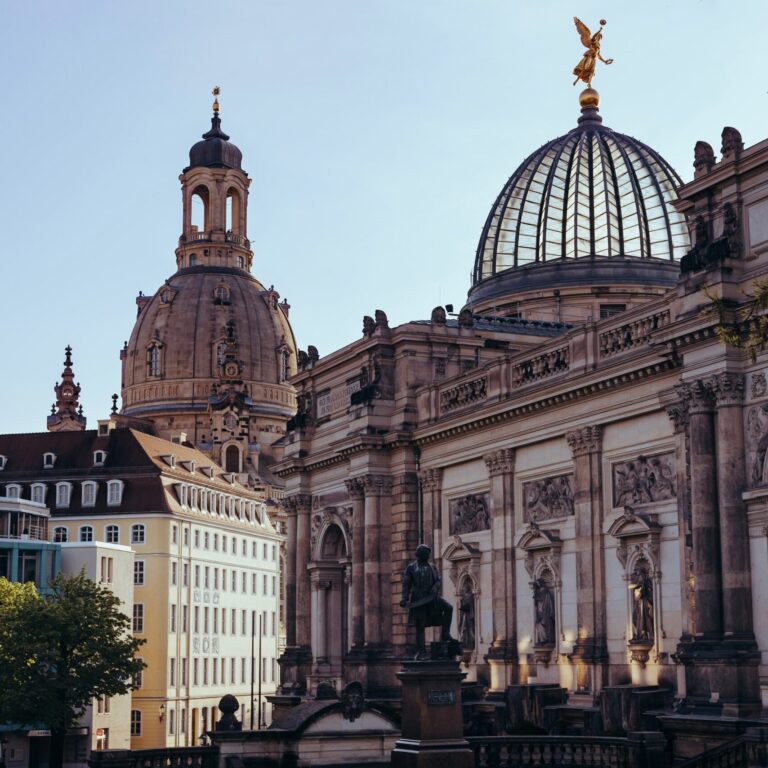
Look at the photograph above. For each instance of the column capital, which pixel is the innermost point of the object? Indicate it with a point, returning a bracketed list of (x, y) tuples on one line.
[(678, 414), (585, 439), (355, 488), (431, 479), (377, 485), (300, 502), (727, 388), (698, 395), (500, 462)]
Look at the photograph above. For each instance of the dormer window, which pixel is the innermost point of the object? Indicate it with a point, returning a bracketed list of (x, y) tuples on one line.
[(63, 494), (88, 490), (169, 459), (38, 493), (207, 471), (99, 457), (183, 490), (189, 466), (49, 459), (3, 462), (114, 492), (13, 491)]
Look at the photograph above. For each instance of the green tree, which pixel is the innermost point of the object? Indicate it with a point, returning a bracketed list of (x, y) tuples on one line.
[(60, 651), (744, 326)]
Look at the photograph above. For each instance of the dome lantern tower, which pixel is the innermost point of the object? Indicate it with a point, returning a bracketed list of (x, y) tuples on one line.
[(214, 190)]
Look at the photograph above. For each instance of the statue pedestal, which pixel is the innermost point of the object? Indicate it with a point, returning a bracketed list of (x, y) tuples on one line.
[(433, 732)]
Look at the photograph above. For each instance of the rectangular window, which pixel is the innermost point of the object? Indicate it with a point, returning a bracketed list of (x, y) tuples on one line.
[(197, 620), (172, 671), (138, 572), (223, 621), (274, 586), (242, 627), (89, 494), (195, 672), (206, 624), (62, 495), (138, 617), (173, 617), (205, 671), (274, 553), (254, 549), (171, 721), (223, 543), (215, 621), (197, 576), (609, 310), (215, 542), (232, 670), (197, 539), (274, 624), (264, 551), (253, 583), (224, 579), (207, 540), (242, 670), (185, 575), (223, 671), (244, 582), (234, 580), (186, 537), (174, 573), (183, 721), (244, 548), (184, 672), (135, 722), (215, 578), (174, 534), (138, 534), (185, 618), (207, 581), (138, 679), (215, 671), (234, 622)]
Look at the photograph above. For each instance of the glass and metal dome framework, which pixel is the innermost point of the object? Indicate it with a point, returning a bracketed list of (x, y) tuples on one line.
[(592, 193)]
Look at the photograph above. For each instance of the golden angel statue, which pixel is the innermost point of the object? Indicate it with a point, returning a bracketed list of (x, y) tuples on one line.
[(585, 69)]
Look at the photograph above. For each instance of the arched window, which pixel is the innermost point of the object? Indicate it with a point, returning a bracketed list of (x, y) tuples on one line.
[(221, 294), (233, 211), (138, 534), (232, 459), (60, 534), (112, 534), (192, 259), (86, 533), (114, 492), (199, 213), (239, 261), (49, 459), (285, 365), (89, 493), (38, 493), (154, 359), (63, 494)]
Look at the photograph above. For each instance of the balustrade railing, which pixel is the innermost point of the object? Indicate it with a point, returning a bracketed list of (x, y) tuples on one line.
[(541, 366), (549, 751), (633, 334), (734, 754), (171, 757), (467, 392)]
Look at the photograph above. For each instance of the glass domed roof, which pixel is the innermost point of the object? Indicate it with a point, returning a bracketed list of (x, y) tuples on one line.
[(592, 193)]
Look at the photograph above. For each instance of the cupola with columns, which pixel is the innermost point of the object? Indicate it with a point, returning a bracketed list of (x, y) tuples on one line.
[(215, 181)]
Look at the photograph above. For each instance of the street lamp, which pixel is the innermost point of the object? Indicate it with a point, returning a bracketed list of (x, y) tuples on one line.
[(162, 711)]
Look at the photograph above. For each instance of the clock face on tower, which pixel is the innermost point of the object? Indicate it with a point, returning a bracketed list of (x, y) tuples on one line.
[(231, 369), (67, 392)]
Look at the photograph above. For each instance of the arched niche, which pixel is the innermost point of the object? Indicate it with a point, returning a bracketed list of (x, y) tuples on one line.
[(330, 592), (200, 209)]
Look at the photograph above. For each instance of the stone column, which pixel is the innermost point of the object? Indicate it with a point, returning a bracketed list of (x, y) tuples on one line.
[(290, 572), (431, 487), (355, 489), (502, 655), (678, 413), (706, 537), (376, 573), (303, 607), (590, 653), (728, 389)]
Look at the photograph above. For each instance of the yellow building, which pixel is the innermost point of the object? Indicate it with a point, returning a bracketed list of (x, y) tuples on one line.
[(205, 569)]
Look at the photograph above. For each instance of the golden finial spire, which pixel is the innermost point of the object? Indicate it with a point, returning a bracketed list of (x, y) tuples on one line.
[(216, 91), (585, 69)]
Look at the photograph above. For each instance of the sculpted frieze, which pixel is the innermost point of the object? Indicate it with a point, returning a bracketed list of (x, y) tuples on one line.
[(644, 480), (469, 513), (548, 498)]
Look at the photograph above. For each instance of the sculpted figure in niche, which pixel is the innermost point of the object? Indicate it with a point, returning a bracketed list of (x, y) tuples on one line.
[(421, 595), (467, 616), (544, 603), (641, 585)]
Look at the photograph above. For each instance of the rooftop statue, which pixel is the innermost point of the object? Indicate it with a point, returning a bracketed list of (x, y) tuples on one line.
[(585, 69)]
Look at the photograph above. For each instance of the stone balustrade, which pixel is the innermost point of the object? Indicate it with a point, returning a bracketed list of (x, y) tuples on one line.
[(632, 334)]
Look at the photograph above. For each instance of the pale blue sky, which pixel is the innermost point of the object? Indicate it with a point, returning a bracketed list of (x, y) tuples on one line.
[(377, 134)]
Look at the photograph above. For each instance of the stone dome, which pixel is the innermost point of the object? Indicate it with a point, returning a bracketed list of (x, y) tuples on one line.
[(215, 150), (175, 358), (593, 193)]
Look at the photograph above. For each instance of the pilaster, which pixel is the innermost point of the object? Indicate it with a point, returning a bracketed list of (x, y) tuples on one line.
[(377, 489), (590, 654), (356, 493), (502, 655)]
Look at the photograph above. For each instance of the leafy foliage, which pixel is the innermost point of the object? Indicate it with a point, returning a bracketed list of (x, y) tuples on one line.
[(746, 327), (60, 651)]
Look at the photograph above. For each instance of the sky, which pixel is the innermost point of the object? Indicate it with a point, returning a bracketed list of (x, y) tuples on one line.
[(377, 134)]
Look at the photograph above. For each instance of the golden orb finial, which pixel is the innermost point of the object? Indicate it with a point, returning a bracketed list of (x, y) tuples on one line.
[(589, 98), (216, 91)]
